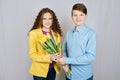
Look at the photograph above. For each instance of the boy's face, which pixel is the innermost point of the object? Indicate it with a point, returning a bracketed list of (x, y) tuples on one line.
[(78, 17)]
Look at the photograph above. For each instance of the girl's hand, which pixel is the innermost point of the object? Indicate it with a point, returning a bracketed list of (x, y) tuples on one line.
[(58, 55), (55, 57), (52, 57)]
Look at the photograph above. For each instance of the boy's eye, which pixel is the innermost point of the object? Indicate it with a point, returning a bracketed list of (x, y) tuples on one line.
[(81, 14), (75, 15)]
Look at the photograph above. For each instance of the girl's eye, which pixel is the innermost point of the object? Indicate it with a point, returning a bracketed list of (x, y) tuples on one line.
[(44, 18), (50, 18), (47, 19)]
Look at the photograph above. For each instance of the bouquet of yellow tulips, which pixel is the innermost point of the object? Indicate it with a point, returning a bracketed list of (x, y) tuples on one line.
[(50, 46)]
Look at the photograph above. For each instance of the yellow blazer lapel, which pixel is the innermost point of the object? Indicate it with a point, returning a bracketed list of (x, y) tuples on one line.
[(42, 37)]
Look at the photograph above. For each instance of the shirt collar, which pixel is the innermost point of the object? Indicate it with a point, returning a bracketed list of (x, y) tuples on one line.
[(44, 32), (79, 29)]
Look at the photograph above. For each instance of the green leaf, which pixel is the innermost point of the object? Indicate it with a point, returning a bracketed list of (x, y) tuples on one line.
[(53, 43), (50, 46)]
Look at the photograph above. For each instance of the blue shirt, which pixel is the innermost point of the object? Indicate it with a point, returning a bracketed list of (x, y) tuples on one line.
[(79, 49)]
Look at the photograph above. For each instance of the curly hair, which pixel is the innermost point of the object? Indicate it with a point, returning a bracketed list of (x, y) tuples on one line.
[(55, 24)]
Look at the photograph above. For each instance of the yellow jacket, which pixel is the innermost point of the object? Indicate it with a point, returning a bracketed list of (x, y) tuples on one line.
[(40, 58)]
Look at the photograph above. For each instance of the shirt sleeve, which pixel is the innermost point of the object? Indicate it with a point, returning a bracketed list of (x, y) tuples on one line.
[(89, 55), (64, 47)]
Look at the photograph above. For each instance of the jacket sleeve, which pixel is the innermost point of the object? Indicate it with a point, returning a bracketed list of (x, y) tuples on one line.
[(89, 55), (33, 50)]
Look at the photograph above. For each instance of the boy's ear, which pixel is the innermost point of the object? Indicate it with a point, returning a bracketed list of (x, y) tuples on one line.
[(86, 15)]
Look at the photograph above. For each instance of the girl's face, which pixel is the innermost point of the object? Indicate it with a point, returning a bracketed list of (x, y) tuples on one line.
[(47, 20), (78, 17)]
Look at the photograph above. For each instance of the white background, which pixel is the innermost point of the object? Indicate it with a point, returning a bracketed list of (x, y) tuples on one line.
[(17, 17)]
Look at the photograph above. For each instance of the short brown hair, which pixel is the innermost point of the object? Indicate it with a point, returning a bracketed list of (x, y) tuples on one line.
[(80, 7)]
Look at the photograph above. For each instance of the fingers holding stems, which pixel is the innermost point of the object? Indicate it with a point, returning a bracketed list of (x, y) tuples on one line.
[(61, 60), (55, 57)]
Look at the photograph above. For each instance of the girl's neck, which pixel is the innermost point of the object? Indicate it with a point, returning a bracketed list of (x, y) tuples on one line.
[(46, 29)]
